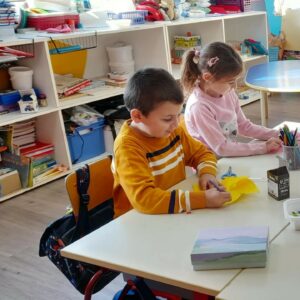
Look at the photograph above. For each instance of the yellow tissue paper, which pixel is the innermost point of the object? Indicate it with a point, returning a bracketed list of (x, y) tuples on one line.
[(236, 186), (196, 187)]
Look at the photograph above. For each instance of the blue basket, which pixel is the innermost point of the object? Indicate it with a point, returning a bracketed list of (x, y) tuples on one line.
[(136, 16), (273, 53), (86, 142)]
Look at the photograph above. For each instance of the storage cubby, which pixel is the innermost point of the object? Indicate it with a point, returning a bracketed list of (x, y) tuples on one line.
[(50, 129), (208, 29), (151, 45), (246, 26)]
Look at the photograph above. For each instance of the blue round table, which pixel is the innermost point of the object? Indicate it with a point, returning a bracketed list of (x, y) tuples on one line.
[(277, 76)]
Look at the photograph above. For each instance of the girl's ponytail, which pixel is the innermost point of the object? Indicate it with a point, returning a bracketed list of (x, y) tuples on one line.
[(190, 72)]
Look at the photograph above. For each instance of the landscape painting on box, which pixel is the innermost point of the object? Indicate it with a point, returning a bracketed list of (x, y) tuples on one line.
[(230, 248)]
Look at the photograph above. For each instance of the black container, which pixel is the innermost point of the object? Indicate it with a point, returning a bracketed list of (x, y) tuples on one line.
[(279, 183)]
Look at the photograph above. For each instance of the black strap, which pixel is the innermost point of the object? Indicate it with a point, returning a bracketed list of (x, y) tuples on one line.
[(83, 182), (111, 124)]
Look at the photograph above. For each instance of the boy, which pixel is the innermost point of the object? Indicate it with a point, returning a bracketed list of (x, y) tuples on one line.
[(151, 151)]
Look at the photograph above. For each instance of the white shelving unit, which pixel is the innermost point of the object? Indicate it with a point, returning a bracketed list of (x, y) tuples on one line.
[(151, 44)]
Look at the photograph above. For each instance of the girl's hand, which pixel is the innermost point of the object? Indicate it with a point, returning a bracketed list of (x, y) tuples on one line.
[(273, 144), (215, 199), (208, 181)]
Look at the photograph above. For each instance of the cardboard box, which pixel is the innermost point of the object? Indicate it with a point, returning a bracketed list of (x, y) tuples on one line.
[(9, 183), (279, 183), (231, 248)]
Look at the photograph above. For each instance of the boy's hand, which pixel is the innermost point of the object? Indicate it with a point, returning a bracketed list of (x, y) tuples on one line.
[(273, 144), (207, 181), (215, 199)]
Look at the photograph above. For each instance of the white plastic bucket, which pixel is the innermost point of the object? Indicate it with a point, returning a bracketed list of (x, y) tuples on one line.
[(21, 78), (120, 68), (119, 53)]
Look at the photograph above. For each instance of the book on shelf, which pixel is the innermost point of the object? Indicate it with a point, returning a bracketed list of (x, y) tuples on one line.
[(37, 160), (113, 82), (37, 150), (76, 88), (66, 85), (43, 167), (230, 248), (18, 133), (51, 173), (24, 140), (16, 148), (6, 134), (20, 126), (23, 135), (20, 163)]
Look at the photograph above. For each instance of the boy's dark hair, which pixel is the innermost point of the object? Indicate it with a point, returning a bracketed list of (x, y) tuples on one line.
[(149, 87), (229, 63)]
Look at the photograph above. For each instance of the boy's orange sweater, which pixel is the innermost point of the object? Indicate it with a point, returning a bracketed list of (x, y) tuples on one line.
[(145, 168)]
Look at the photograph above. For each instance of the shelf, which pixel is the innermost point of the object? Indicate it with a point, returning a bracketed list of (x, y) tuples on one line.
[(21, 191), (91, 96), (253, 58), (17, 116), (253, 95), (151, 43), (11, 55)]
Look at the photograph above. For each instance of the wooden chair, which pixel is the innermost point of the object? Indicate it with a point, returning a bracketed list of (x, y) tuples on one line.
[(100, 190), (101, 184)]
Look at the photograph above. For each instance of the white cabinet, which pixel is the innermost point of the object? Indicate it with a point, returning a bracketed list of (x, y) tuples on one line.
[(151, 43), (237, 27)]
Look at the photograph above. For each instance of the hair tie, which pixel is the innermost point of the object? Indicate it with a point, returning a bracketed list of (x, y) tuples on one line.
[(212, 61), (196, 57)]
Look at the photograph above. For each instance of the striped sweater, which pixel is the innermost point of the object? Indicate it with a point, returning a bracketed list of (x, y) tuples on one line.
[(145, 168)]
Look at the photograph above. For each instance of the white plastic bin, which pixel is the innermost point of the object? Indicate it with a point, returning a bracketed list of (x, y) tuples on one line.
[(119, 53), (291, 209), (21, 78), (108, 137), (122, 68)]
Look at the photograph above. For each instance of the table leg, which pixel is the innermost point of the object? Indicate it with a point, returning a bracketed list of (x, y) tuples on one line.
[(264, 107)]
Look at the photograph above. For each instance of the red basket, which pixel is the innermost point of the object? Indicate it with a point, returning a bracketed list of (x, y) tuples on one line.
[(244, 5), (51, 20)]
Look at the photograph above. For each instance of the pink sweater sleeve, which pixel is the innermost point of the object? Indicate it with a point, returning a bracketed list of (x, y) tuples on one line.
[(247, 128), (203, 125)]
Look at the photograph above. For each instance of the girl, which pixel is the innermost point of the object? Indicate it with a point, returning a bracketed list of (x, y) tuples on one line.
[(213, 114)]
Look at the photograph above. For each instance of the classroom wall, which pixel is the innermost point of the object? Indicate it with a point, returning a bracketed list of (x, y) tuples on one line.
[(291, 28)]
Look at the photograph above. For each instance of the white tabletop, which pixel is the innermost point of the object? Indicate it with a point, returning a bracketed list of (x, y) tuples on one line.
[(276, 76), (279, 280), (158, 247)]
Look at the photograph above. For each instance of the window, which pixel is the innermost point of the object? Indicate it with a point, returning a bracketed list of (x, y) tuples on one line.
[(282, 5)]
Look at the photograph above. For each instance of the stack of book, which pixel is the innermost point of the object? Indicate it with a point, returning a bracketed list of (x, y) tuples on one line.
[(42, 159), (34, 160), (7, 13), (67, 85), (23, 135), (19, 135), (230, 248)]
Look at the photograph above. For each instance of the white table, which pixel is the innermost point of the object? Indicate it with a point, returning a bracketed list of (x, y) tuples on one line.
[(278, 281), (158, 247), (277, 76)]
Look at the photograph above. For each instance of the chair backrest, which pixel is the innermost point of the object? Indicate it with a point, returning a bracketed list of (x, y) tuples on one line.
[(101, 184)]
